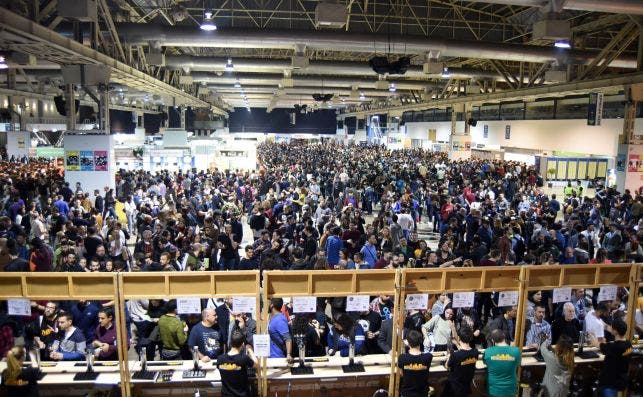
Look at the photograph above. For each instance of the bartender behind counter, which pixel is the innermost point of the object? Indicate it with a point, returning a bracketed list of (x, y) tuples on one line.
[(614, 373), (234, 365), (461, 365), (18, 381), (415, 367)]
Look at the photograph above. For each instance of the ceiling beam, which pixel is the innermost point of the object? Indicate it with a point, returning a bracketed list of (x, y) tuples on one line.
[(573, 88)]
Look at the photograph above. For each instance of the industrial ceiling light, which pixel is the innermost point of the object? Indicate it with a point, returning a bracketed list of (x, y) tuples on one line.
[(391, 87), (208, 21), (3, 63), (229, 66), (562, 44), (362, 97), (237, 84), (445, 73)]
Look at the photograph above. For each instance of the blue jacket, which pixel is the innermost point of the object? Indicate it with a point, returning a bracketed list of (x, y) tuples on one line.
[(86, 319), (333, 245), (343, 342), (72, 348)]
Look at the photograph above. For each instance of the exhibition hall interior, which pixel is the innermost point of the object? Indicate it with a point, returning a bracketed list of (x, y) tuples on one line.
[(329, 198)]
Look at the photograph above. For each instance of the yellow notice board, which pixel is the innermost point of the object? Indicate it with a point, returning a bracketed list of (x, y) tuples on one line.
[(591, 169), (602, 169), (582, 169), (551, 164), (571, 169), (562, 170)]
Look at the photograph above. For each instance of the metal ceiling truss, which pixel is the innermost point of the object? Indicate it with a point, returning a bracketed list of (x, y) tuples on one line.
[(23, 35), (606, 85)]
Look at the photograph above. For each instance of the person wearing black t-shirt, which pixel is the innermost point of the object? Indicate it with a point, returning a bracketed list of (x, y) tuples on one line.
[(233, 367), (461, 365), (614, 373), (415, 367), (18, 381)]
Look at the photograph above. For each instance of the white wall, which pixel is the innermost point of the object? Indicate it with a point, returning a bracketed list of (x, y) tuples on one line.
[(420, 130), (91, 180), (18, 143), (547, 135)]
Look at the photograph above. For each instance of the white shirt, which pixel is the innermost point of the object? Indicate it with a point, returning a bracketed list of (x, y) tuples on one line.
[(405, 221), (594, 325)]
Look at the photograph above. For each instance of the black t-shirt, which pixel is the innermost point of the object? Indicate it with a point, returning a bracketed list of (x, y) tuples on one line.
[(27, 385), (227, 251), (615, 367), (415, 374), (462, 366), (234, 374), (91, 245)]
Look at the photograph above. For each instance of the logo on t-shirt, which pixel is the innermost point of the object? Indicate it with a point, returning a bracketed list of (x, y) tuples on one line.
[(415, 367), (229, 367), (469, 361), (503, 357)]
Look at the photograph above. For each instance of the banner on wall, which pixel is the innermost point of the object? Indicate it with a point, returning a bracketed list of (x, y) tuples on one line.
[(100, 160), (595, 108), (507, 132), (635, 163), (485, 131), (460, 146), (620, 162), (87, 161), (72, 160)]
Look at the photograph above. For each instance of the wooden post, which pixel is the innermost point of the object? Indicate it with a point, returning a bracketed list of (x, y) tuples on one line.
[(263, 370), (635, 283), (121, 336), (396, 340)]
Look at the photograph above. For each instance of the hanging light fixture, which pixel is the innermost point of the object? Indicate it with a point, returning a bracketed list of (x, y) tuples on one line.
[(562, 44), (229, 66), (445, 73), (208, 21), (237, 84), (3, 63), (392, 88)]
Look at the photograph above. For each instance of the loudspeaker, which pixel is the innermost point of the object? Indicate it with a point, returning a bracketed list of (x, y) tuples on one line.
[(472, 122)]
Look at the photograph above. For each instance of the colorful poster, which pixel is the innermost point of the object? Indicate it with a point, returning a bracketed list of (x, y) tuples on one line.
[(635, 163), (73, 160), (87, 161), (100, 160), (620, 162)]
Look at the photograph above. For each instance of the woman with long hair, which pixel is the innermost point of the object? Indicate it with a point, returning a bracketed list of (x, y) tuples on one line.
[(559, 367), (19, 381)]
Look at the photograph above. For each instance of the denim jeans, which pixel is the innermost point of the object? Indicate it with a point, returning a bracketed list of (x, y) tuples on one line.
[(608, 392), (227, 263)]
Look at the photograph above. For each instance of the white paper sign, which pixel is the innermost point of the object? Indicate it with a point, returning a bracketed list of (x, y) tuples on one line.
[(562, 294), (357, 303), (508, 298), (417, 302), (19, 307), (261, 345), (463, 299), (607, 293), (244, 304), (188, 305), (304, 304)]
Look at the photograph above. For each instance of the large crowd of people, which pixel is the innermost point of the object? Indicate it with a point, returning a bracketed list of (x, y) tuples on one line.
[(318, 207)]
